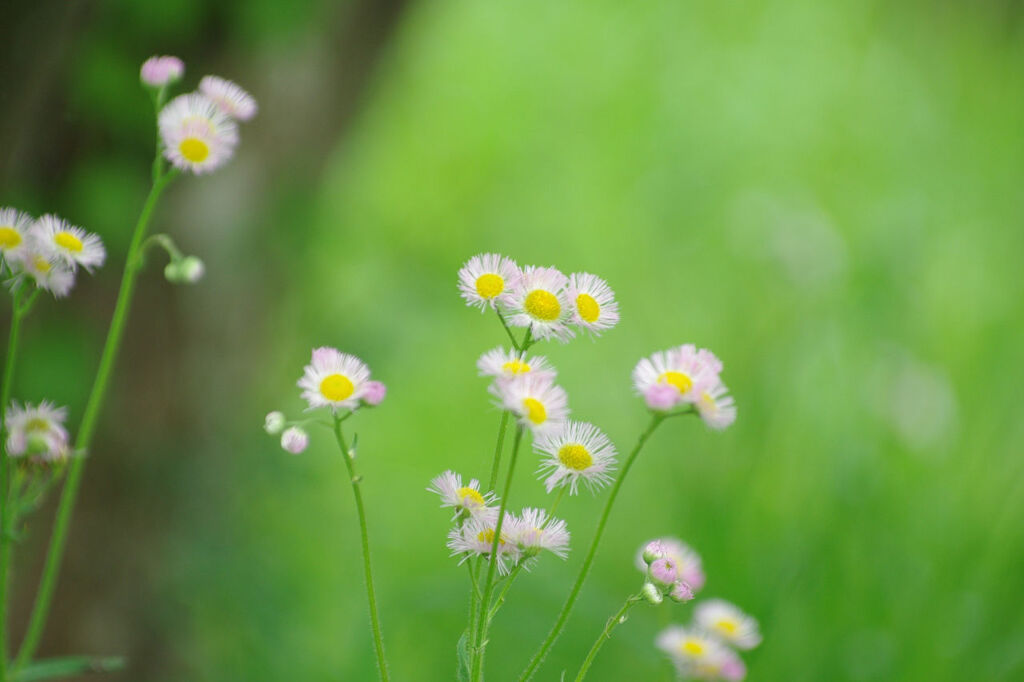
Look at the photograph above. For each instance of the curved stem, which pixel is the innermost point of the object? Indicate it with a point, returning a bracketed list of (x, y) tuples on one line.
[(58, 540), (563, 616), (492, 565), (474, 593), (502, 427), (504, 323), (500, 599), (606, 634), (371, 595)]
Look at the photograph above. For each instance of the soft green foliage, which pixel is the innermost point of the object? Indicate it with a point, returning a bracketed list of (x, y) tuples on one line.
[(825, 193)]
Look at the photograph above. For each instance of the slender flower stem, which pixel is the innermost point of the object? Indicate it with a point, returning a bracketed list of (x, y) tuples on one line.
[(606, 634), (371, 595), (500, 599), (502, 427), (563, 616), (58, 540), (493, 563), (511, 336)]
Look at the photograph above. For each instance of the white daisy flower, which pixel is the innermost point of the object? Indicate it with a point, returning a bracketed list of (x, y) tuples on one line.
[(686, 560), (728, 623), (593, 301), (196, 135), (476, 536), (695, 653), (48, 272), (463, 498), (577, 452), (678, 367), (506, 364), (540, 405), (534, 531), (14, 233), (229, 97), (71, 244), (714, 404), (486, 277), (538, 300), (334, 379), (37, 431)]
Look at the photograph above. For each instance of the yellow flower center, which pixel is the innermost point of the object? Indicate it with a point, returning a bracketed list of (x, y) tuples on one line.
[(588, 308), (487, 537), (706, 401), (681, 381), (66, 240), (42, 265), (727, 626), (336, 387), (473, 495), (194, 149), (489, 285), (692, 647), (37, 424), (515, 367), (535, 410), (9, 238), (575, 456), (543, 305)]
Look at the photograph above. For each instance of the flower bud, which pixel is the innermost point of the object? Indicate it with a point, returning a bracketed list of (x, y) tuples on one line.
[(374, 393), (654, 550), (651, 593), (191, 269), (156, 72), (680, 592), (274, 423), (172, 272), (294, 440), (663, 572)]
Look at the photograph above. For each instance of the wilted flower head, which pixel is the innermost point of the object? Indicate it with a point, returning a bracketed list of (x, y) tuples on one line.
[(686, 561), (197, 136), (679, 368), (576, 452), (334, 379), (593, 302), (14, 233), (540, 405), (37, 431), (507, 364), (229, 97), (728, 623), (462, 498), (72, 245), (486, 277), (295, 440), (538, 300), (157, 72)]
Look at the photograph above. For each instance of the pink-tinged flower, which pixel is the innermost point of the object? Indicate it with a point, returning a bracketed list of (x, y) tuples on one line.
[(334, 379), (37, 431), (686, 560), (486, 277), (731, 667), (680, 592), (539, 404), (663, 571), (229, 97), (662, 397), (679, 368), (576, 453), (507, 364), (534, 531), (538, 300), (196, 136), (374, 393), (650, 552), (714, 404), (593, 302), (728, 623), (294, 440), (156, 72)]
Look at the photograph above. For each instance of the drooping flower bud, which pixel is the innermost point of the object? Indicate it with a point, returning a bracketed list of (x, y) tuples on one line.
[(191, 269), (274, 423), (374, 393), (294, 440)]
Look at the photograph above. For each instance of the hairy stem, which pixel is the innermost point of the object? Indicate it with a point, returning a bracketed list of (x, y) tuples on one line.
[(606, 634)]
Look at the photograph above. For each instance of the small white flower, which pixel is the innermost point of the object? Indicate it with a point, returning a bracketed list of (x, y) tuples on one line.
[(486, 277), (47, 270), (728, 623), (593, 301), (229, 97), (540, 405), (476, 536), (14, 233), (460, 497), (577, 452), (196, 135), (695, 653), (334, 379), (538, 300), (501, 363), (71, 244), (714, 405), (37, 431), (678, 367), (534, 531)]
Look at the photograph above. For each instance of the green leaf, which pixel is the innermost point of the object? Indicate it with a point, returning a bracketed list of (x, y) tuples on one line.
[(462, 650), (53, 668)]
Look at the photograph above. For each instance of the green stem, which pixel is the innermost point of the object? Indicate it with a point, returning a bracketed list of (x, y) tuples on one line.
[(500, 599), (474, 593), (511, 336), (493, 563), (606, 634), (371, 595), (497, 450), (58, 540), (563, 616), (554, 505), (6, 522)]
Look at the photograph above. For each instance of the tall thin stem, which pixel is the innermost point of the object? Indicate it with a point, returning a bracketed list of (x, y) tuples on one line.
[(606, 634), (563, 616), (485, 601), (58, 540), (6, 525), (496, 464), (378, 641)]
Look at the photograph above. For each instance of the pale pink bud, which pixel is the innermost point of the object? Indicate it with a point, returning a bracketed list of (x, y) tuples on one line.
[(664, 572), (653, 550), (294, 440), (662, 397), (680, 592), (157, 72), (374, 393)]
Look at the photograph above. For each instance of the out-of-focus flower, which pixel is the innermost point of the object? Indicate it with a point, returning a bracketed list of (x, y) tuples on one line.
[(663, 572), (37, 431), (686, 560), (576, 452), (274, 423), (14, 233), (486, 277), (156, 72), (197, 136), (71, 244), (476, 536), (506, 364), (540, 405), (593, 301), (695, 653), (662, 397), (229, 97), (714, 405), (728, 623), (680, 591), (334, 379), (374, 393), (295, 440), (47, 270), (462, 498), (538, 300)]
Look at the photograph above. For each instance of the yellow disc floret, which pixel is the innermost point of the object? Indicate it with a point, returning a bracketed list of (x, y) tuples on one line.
[(194, 149), (336, 387), (677, 379), (66, 240), (515, 367), (9, 237), (543, 305), (575, 456), (727, 627), (588, 308), (487, 537), (692, 647), (490, 285), (535, 410), (470, 497), (41, 264)]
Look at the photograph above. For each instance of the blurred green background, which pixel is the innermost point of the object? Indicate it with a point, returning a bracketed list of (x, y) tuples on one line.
[(828, 194)]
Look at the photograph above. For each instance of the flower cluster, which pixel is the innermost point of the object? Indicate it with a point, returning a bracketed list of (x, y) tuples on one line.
[(689, 376), (671, 569), (549, 303), (706, 649), (47, 251)]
